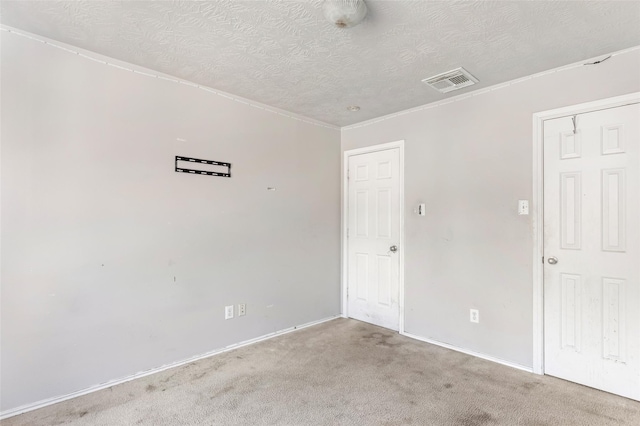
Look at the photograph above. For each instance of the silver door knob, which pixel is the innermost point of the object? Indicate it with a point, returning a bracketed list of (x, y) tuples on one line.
[(552, 260), (393, 249)]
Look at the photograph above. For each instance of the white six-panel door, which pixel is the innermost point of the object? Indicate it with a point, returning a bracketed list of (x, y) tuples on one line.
[(592, 249), (373, 238)]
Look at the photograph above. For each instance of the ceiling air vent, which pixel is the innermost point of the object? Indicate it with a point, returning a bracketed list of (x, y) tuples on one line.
[(451, 80)]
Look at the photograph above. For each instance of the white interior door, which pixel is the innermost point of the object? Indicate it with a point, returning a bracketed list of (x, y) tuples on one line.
[(373, 238), (591, 226)]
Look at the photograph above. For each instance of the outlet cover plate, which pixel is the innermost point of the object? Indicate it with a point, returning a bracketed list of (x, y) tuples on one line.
[(474, 315), (228, 312)]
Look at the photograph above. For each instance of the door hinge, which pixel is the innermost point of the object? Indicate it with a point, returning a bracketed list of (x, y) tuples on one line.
[(347, 232), (348, 174), (543, 260)]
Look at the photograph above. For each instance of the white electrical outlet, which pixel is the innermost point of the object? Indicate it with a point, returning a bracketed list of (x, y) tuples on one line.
[(242, 309), (474, 315), (228, 312)]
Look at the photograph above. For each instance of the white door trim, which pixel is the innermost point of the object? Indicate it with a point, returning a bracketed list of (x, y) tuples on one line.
[(538, 208), (345, 222)]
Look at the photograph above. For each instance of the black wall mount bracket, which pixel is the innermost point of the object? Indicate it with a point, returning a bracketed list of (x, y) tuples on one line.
[(224, 173)]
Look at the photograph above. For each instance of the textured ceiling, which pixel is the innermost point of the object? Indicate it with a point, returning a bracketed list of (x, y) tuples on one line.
[(284, 53)]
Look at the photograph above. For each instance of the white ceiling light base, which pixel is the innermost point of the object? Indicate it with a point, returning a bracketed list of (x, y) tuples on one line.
[(344, 13)]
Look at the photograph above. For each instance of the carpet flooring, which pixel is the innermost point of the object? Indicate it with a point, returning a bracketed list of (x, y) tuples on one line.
[(342, 372)]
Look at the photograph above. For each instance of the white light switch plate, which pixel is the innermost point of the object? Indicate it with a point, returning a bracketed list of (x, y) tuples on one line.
[(523, 207)]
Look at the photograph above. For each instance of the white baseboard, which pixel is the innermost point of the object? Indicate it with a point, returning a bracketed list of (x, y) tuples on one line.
[(468, 352), (50, 401)]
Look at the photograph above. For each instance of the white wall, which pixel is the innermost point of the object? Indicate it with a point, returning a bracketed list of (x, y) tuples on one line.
[(112, 263), (471, 161)]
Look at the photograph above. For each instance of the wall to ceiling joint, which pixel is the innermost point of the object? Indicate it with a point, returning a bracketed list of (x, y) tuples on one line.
[(274, 51)]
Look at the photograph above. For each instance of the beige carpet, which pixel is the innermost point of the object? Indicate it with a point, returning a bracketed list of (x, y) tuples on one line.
[(342, 372)]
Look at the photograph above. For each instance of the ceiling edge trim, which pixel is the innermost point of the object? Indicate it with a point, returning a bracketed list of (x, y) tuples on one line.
[(125, 66), (482, 91)]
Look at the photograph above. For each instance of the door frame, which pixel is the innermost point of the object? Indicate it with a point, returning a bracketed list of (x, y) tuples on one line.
[(538, 208), (345, 221)]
